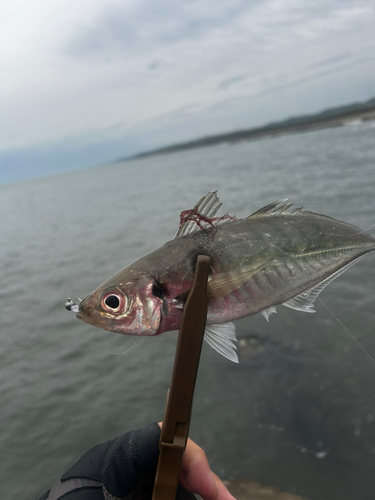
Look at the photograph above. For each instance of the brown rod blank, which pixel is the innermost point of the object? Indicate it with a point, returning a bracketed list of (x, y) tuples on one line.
[(177, 414)]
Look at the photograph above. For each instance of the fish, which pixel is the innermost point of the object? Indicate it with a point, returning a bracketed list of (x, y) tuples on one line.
[(279, 255)]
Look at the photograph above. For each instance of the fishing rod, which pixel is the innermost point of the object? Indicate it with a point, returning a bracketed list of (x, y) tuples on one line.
[(177, 415)]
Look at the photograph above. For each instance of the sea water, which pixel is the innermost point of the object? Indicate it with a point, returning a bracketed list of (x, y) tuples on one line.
[(297, 412)]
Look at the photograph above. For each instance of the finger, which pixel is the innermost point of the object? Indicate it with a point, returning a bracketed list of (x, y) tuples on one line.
[(196, 473), (223, 492), (197, 477)]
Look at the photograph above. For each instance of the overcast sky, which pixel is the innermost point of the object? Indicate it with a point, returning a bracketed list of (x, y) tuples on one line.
[(84, 82)]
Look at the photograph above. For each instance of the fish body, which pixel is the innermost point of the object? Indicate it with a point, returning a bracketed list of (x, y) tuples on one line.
[(275, 256)]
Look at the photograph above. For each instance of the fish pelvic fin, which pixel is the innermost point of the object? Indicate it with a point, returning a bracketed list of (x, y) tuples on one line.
[(221, 338), (202, 216), (305, 301)]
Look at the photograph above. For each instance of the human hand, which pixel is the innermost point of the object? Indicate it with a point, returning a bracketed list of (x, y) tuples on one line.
[(125, 469)]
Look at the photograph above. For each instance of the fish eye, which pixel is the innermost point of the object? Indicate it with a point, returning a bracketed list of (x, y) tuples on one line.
[(112, 301)]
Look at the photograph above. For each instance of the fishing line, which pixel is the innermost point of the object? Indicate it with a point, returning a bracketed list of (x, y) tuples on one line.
[(117, 353), (364, 230), (352, 336), (368, 228)]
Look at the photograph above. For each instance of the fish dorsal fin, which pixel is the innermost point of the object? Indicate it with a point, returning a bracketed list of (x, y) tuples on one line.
[(267, 312), (277, 209), (305, 301), (221, 337), (282, 209), (273, 209), (207, 207)]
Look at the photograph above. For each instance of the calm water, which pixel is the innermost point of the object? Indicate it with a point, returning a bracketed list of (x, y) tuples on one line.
[(297, 413)]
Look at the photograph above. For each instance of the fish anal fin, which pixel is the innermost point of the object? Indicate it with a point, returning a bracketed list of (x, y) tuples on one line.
[(221, 337), (305, 301), (301, 302), (267, 312)]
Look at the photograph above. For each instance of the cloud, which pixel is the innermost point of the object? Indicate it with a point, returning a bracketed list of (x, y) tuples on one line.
[(332, 60), (225, 84), (132, 28), (163, 70)]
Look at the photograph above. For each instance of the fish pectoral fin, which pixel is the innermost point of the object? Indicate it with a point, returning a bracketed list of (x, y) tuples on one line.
[(221, 337), (267, 312), (226, 283), (305, 301)]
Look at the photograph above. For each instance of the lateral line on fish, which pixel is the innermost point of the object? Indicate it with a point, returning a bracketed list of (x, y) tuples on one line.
[(117, 353), (346, 329), (326, 250)]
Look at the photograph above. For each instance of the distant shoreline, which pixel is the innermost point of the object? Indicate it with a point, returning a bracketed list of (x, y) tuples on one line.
[(335, 117)]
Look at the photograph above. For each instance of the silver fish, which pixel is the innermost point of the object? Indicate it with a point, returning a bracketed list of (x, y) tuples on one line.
[(276, 256)]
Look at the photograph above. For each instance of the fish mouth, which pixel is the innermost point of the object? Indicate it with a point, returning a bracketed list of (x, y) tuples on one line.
[(88, 313), (84, 313), (82, 316)]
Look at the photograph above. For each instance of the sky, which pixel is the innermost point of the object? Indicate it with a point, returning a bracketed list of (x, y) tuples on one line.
[(86, 82)]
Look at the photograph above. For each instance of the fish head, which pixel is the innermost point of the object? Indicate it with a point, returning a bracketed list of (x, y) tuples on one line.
[(124, 306)]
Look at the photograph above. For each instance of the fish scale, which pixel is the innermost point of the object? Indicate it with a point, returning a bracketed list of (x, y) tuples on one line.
[(276, 256)]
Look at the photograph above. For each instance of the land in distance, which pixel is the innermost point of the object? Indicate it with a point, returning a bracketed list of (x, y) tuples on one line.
[(333, 117)]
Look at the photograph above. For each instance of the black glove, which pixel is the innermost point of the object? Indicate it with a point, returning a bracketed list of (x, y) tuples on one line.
[(123, 469)]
